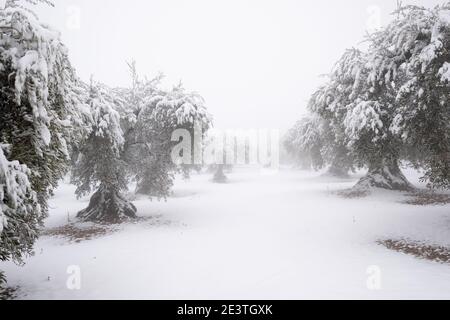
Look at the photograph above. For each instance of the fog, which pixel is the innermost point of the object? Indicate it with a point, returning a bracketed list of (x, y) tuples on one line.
[(255, 62)]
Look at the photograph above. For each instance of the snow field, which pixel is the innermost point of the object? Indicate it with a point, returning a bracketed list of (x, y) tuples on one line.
[(283, 236)]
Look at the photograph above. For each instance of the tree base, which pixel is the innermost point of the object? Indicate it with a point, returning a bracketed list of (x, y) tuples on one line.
[(219, 176), (384, 178), (108, 206)]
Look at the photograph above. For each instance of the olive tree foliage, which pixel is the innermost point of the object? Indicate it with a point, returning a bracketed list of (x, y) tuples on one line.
[(100, 166), (39, 120), (154, 115), (130, 140), (406, 80), (20, 211), (389, 102), (416, 58), (305, 140)]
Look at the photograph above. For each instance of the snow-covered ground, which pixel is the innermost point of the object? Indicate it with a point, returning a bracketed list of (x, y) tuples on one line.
[(261, 236)]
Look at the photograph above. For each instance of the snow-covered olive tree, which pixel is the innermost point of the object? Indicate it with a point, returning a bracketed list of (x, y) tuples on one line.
[(325, 104), (390, 102), (402, 98), (369, 107), (131, 139), (20, 211), (157, 114), (323, 134), (413, 54), (314, 141), (37, 113), (296, 157), (305, 138), (151, 168), (359, 111), (165, 113), (100, 166), (35, 76)]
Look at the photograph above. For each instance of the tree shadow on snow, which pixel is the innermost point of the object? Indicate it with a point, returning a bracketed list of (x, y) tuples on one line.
[(418, 249), (78, 232), (327, 178), (427, 198)]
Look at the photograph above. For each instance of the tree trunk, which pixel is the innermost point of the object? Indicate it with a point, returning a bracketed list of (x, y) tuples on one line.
[(219, 176), (385, 175), (107, 205)]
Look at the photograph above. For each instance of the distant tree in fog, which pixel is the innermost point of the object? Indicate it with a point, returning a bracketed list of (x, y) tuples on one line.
[(156, 115), (305, 140)]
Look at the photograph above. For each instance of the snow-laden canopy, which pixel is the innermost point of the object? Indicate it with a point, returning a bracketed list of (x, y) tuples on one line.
[(20, 211)]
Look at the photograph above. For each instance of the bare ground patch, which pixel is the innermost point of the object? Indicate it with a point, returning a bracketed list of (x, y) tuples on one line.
[(418, 249), (427, 198), (79, 232), (353, 193)]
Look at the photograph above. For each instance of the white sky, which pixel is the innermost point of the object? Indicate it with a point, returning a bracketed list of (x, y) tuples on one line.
[(256, 62)]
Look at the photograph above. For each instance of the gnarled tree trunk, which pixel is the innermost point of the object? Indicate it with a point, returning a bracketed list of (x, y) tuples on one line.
[(107, 205), (385, 174)]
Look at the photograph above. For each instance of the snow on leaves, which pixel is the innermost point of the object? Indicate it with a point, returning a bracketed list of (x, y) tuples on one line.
[(20, 211), (365, 115), (444, 73), (105, 119), (393, 96), (39, 61), (180, 108)]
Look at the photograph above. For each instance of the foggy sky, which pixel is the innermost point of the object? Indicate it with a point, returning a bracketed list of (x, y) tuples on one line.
[(255, 62)]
